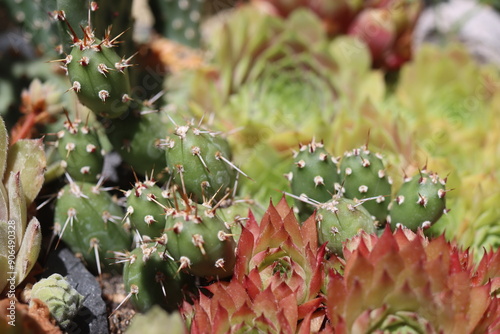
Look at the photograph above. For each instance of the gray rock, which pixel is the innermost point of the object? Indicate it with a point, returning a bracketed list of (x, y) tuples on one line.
[(476, 26), (92, 318)]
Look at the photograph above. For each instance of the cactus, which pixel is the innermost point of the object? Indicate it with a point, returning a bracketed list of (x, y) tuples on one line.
[(152, 278), (22, 167), (97, 74), (89, 222), (314, 175), (200, 241), (62, 299), (420, 201), (137, 139), (79, 146), (199, 161), (146, 207), (33, 17), (364, 178), (341, 219), (178, 20)]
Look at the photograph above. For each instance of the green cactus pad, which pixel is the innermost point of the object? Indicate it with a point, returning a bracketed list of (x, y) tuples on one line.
[(200, 241), (420, 202), (62, 299), (363, 176), (154, 279), (99, 76), (81, 151), (137, 139), (89, 221), (314, 174), (340, 219), (146, 207), (198, 161)]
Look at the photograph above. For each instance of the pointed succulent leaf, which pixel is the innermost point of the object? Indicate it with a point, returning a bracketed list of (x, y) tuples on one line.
[(17, 207), (27, 156), (29, 251)]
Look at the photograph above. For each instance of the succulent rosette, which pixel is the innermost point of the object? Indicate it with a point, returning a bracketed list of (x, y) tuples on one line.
[(277, 280), (242, 307), (280, 250), (403, 282)]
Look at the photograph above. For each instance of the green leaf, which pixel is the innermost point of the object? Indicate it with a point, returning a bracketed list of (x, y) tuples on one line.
[(27, 157), (29, 251)]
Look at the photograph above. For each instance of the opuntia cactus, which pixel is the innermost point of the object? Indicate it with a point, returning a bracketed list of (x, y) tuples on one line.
[(137, 138), (80, 150), (146, 207), (151, 277), (339, 220), (179, 20), (62, 299), (364, 178), (90, 223), (199, 240), (420, 201), (199, 161), (314, 175), (97, 74)]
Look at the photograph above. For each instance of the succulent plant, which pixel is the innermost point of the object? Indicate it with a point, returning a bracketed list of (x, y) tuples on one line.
[(403, 282), (81, 151), (97, 74), (200, 162), (280, 250), (363, 177), (152, 277), (156, 320), (241, 307), (63, 300), (137, 138), (385, 26), (33, 17), (90, 223), (179, 20), (22, 168), (340, 219), (146, 207), (420, 201), (199, 240), (314, 175)]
